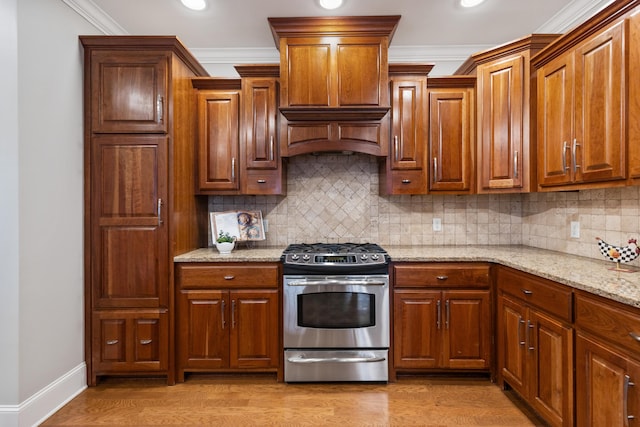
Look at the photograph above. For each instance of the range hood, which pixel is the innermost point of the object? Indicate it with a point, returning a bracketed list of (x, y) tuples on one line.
[(334, 83)]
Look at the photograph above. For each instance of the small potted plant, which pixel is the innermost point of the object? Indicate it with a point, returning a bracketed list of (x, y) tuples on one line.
[(225, 242)]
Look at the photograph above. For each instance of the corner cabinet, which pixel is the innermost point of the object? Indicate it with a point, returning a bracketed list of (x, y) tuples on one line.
[(228, 318), (441, 317), (451, 134), (584, 105), (139, 169), (404, 171), (535, 343), (505, 139)]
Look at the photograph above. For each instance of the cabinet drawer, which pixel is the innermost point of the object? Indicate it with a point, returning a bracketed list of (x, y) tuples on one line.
[(441, 275), (227, 275), (551, 297), (609, 320)]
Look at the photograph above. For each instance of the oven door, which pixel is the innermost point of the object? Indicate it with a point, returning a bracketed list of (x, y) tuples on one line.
[(322, 312)]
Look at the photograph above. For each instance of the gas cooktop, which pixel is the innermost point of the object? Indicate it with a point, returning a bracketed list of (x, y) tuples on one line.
[(334, 258)]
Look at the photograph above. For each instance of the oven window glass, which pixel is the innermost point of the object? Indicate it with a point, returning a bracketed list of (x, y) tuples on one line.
[(336, 310)]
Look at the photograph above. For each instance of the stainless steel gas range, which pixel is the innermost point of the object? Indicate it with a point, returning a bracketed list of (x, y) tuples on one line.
[(336, 312)]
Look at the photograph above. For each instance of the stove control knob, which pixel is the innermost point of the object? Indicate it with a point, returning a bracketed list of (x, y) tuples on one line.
[(306, 257), (364, 257), (295, 257), (374, 257)]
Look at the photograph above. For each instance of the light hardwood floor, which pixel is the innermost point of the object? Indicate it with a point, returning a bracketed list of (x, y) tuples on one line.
[(207, 400)]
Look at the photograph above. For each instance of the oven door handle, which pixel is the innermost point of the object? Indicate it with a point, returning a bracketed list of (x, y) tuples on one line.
[(300, 359), (336, 282)]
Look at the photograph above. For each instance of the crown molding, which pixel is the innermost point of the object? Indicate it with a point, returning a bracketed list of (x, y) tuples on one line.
[(572, 15), (96, 17)]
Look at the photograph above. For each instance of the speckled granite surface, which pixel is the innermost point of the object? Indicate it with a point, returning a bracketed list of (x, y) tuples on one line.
[(578, 272)]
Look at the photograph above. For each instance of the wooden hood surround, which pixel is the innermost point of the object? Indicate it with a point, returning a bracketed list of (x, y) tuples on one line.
[(334, 83)]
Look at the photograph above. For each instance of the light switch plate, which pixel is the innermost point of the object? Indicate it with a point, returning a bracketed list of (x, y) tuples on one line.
[(437, 224), (575, 229)]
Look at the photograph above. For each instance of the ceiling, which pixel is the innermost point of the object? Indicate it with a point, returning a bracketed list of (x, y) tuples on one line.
[(436, 31)]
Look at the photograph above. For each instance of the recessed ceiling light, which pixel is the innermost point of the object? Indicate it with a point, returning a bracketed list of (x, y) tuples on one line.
[(470, 3), (331, 4), (195, 4)]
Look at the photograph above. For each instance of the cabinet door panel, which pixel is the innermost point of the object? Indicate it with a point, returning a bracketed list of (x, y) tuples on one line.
[(358, 65), (260, 123), (203, 339), (555, 121), (219, 140), (129, 187), (450, 140), (600, 107), (552, 373), (511, 343), (417, 320), (254, 322), (308, 74), (408, 127), (502, 129), (128, 92), (467, 322)]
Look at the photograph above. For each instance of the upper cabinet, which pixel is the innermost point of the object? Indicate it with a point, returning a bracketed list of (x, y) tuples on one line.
[(506, 142), (583, 112), (451, 134), (334, 83), (404, 171)]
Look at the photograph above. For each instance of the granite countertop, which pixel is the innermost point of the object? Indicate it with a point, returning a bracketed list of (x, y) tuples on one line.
[(583, 273)]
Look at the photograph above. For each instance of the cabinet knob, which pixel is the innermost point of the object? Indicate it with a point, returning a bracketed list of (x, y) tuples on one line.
[(442, 277), (634, 336), (112, 342), (145, 342), (262, 181), (406, 181), (229, 277), (527, 292)]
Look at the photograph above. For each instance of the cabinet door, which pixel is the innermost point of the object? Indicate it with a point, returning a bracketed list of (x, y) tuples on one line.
[(555, 121), (129, 91), (203, 330), (551, 348), (416, 325), (605, 394), (450, 127), (129, 262), (254, 341), (598, 147), (512, 352), (467, 323), (633, 85), (501, 91), (129, 341), (408, 125), (218, 144)]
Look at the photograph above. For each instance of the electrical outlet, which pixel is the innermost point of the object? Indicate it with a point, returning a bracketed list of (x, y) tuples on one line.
[(575, 229), (265, 224), (437, 224)]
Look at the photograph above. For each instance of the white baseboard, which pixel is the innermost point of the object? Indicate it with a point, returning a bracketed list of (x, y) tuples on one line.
[(45, 402)]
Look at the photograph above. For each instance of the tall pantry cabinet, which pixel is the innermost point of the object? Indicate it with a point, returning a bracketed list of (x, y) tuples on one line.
[(140, 209)]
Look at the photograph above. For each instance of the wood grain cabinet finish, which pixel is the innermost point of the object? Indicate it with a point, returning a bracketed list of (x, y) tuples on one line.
[(505, 140), (442, 323), (263, 171), (535, 346), (405, 170), (228, 318), (607, 362), (451, 134), (582, 110), (139, 171)]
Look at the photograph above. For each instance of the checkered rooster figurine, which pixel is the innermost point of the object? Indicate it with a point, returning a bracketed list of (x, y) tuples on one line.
[(619, 254)]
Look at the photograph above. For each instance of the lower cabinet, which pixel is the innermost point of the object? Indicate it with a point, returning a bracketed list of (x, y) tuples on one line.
[(134, 341), (535, 343), (441, 316), (607, 363), (230, 328)]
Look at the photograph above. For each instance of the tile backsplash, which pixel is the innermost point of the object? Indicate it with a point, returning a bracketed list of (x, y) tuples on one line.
[(334, 198)]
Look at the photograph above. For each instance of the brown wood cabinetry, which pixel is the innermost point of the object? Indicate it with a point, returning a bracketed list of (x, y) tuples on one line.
[(139, 198), (227, 317), (634, 97), (582, 106), (441, 317), (607, 365), (405, 170), (451, 134), (505, 140), (535, 343)]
